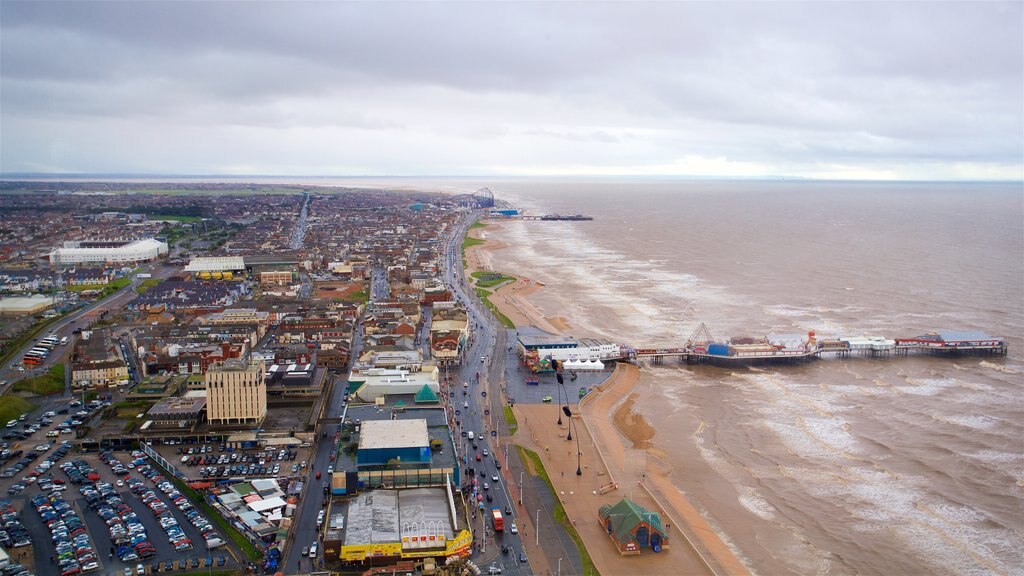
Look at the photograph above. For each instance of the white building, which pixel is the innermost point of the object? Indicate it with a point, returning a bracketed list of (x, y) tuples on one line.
[(145, 250), (215, 264)]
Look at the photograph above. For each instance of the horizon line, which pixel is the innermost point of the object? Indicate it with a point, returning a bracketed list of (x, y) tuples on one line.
[(14, 176)]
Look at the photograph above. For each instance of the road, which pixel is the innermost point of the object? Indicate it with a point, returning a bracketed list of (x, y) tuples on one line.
[(82, 318)]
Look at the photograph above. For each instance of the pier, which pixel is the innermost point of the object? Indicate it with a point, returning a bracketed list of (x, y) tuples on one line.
[(701, 348)]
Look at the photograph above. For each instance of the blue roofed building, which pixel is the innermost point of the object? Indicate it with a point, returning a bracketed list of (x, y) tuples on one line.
[(396, 443)]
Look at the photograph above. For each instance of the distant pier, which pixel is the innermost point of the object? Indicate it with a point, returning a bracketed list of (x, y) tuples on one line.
[(569, 217)]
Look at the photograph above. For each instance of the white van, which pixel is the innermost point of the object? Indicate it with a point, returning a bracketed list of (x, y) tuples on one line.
[(312, 550), (470, 434)]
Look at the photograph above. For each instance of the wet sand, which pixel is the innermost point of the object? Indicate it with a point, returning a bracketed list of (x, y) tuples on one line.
[(511, 299), (606, 418), (610, 463)]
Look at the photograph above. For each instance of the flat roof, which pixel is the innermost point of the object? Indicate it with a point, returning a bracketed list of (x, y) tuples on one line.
[(377, 434), (172, 407), (372, 518), (532, 337)]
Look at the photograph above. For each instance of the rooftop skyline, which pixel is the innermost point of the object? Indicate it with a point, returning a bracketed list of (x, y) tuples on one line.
[(876, 90)]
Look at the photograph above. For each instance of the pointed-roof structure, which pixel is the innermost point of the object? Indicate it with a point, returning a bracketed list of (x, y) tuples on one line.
[(426, 395), (633, 527)]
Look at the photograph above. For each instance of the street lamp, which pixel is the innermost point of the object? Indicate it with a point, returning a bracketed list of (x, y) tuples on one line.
[(559, 567), (568, 414), (558, 389), (536, 527)]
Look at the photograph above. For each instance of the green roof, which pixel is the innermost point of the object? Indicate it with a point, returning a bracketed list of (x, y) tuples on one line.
[(426, 395), (626, 515)]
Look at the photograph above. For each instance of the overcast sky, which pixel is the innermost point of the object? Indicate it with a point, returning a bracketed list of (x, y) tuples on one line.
[(911, 90)]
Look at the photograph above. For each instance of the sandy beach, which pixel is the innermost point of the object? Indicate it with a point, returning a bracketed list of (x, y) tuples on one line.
[(513, 298), (613, 438)]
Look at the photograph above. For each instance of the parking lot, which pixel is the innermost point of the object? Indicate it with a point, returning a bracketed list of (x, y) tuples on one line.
[(109, 513)]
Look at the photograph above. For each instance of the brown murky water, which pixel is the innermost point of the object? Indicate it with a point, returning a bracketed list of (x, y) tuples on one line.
[(856, 466)]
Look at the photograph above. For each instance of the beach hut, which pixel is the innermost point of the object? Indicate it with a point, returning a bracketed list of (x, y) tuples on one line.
[(632, 527)]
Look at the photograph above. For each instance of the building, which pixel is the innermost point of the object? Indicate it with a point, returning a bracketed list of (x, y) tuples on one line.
[(146, 250), (97, 362), (277, 277), (216, 264), (21, 305), (388, 525), (236, 393), (380, 382), (177, 413), (395, 443), (632, 527)]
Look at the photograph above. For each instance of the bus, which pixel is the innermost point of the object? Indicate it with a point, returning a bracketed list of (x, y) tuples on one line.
[(44, 352), (49, 342), (64, 341), (32, 359), (499, 522)]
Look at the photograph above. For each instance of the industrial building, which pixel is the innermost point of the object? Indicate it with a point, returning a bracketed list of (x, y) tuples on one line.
[(236, 393), (21, 305), (216, 264), (74, 252)]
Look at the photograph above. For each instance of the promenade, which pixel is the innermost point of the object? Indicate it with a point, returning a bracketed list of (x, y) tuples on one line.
[(539, 432)]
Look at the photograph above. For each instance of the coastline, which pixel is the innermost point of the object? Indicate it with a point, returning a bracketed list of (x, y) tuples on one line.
[(510, 299), (606, 421), (606, 458)]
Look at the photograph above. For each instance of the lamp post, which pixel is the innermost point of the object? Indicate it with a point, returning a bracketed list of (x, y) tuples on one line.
[(536, 527), (559, 567), (520, 487), (568, 413), (558, 388)]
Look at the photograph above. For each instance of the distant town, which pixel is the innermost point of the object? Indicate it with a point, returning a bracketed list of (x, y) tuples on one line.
[(264, 379)]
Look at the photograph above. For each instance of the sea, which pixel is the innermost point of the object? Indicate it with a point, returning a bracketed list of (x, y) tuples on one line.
[(889, 466)]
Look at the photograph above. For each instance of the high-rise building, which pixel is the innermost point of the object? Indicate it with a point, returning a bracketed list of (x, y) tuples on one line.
[(236, 393)]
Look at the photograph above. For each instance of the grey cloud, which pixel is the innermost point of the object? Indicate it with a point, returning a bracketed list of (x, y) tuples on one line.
[(547, 83)]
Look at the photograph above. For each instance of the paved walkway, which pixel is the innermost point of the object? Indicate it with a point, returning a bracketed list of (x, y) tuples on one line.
[(581, 498)]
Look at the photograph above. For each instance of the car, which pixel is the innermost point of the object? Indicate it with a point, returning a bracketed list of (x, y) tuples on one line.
[(140, 569), (522, 557), (494, 569), (221, 560), (305, 551), (513, 528), (487, 486), (477, 457), (195, 562), (494, 478), (546, 399), (508, 510)]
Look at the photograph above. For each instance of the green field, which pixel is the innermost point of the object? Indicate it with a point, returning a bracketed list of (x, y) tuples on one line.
[(510, 419), (50, 383), (146, 284), (491, 282), (470, 242), (12, 406)]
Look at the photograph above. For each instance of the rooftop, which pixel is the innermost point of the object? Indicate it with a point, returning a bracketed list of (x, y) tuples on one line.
[(379, 434)]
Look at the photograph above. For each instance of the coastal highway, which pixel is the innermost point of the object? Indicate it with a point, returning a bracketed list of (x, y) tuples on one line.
[(487, 357)]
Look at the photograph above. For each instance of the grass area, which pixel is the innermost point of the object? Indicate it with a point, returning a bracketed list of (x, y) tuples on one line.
[(559, 512), (247, 548), (132, 408), (146, 284), (485, 298), (174, 218), (361, 296), (50, 383), (491, 279), (470, 242), (105, 289), (510, 419), (477, 224), (12, 406)]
